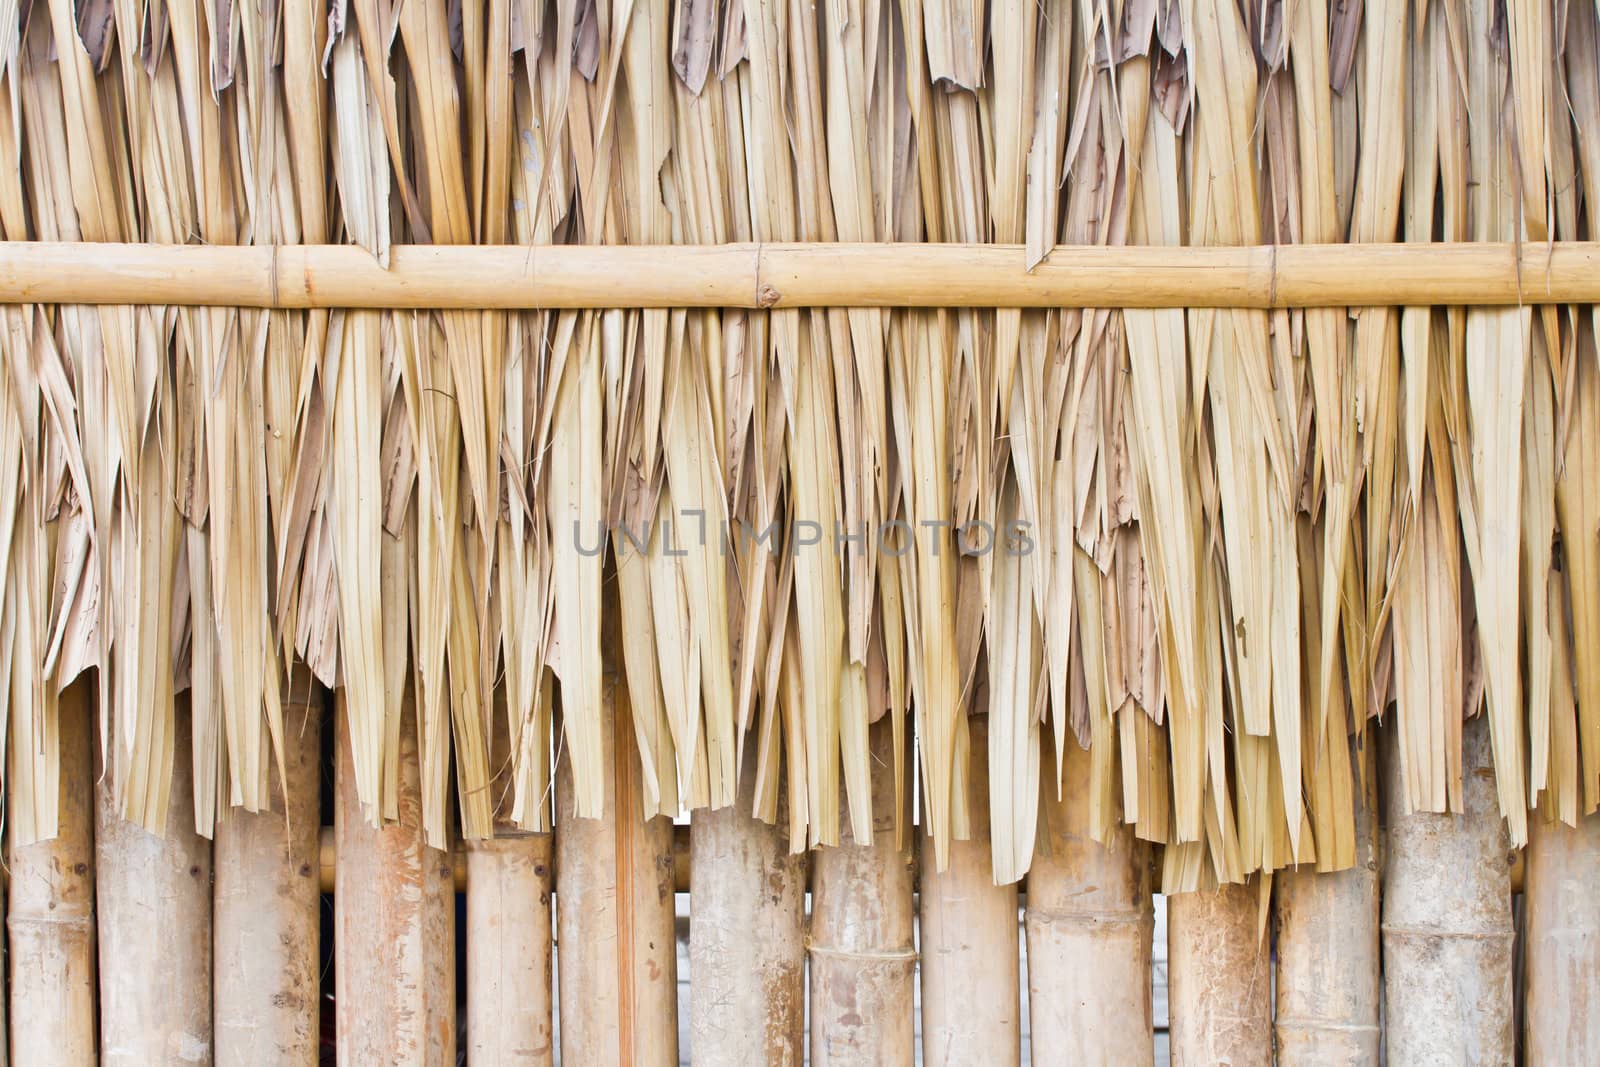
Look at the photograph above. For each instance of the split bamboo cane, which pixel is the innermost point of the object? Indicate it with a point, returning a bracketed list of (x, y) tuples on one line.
[(971, 1003), (1329, 983), (1090, 920), (615, 921), (1447, 937), (800, 275), (508, 943), (394, 921), (1561, 942), (153, 906), (50, 916), (747, 951), (863, 962), (269, 907), (1219, 990)]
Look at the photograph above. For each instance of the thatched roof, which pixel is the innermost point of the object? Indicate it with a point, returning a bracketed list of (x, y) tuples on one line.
[(1247, 532)]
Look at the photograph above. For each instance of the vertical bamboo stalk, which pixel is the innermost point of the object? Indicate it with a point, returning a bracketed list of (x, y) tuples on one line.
[(1447, 938), (862, 958), (1561, 942), (1090, 922), (5, 1044), (1219, 977), (614, 912), (747, 952), (1328, 969), (50, 913), (971, 1002), (153, 904), (509, 949), (394, 921), (508, 939), (268, 905)]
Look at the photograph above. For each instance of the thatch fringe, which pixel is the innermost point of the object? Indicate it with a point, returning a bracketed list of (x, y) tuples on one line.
[(1208, 544)]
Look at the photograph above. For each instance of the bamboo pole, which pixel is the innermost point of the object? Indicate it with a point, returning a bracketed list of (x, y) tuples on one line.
[(862, 958), (971, 1002), (153, 906), (1447, 937), (268, 905), (1219, 980), (508, 941), (1090, 921), (1328, 987), (800, 275), (5, 1043), (394, 921), (1561, 942), (50, 910), (509, 949), (615, 920), (747, 953)]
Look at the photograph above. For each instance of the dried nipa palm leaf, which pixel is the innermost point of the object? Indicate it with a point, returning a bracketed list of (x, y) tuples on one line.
[(1251, 531)]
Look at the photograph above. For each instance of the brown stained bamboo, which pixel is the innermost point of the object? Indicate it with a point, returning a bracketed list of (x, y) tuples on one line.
[(1090, 921), (1447, 935), (1219, 976), (394, 921), (800, 275), (971, 1001), (862, 957), (509, 936), (50, 910), (153, 912), (1329, 981), (268, 907), (1561, 942), (747, 941), (615, 919)]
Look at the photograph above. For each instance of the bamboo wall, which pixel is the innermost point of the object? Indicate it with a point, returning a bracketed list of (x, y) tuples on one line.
[(290, 941), (1127, 581)]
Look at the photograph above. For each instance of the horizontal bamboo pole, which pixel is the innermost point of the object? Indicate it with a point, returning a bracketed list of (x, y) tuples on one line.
[(799, 275)]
